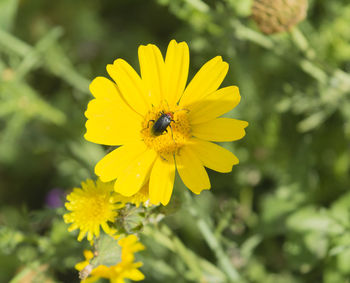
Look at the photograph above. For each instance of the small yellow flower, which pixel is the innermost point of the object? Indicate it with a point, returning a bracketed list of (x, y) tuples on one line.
[(160, 125), (125, 269), (91, 206)]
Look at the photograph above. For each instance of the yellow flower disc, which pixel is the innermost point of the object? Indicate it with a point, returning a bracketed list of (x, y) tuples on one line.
[(91, 207), (173, 139)]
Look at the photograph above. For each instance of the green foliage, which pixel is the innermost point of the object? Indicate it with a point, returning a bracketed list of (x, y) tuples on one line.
[(282, 215), (108, 252)]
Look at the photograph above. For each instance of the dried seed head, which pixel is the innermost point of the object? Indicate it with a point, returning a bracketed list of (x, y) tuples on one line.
[(273, 16)]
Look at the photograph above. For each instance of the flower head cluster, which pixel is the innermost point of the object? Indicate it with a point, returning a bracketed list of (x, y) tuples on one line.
[(160, 125), (95, 205), (126, 268), (91, 207)]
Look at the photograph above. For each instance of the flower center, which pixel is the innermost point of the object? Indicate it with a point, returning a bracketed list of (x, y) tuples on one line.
[(95, 209), (166, 130)]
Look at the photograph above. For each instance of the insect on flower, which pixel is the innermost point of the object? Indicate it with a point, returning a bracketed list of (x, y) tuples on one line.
[(163, 122)]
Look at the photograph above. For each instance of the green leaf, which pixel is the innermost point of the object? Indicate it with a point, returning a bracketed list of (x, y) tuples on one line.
[(299, 255), (108, 251), (311, 219), (343, 260), (131, 219), (277, 207), (340, 210)]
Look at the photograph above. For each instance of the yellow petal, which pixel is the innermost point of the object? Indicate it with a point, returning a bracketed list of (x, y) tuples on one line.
[(135, 175), (102, 271), (134, 274), (67, 217), (115, 162), (111, 120), (88, 254), (111, 109), (112, 131), (81, 235), (107, 93), (207, 80), (103, 88), (72, 227), (96, 231), (213, 156), (106, 228), (152, 71), (191, 170), (177, 61), (220, 130), (130, 85), (81, 265), (214, 105), (162, 180), (90, 236)]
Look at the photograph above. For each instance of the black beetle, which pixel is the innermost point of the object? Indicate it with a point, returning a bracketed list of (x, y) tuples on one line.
[(160, 126)]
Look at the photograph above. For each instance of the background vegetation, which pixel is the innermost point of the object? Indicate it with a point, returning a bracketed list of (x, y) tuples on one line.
[(282, 215)]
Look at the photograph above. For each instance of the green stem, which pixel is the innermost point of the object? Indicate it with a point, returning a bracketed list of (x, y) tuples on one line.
[(33, 57), (213, 242), (13, 44), (53, 60), (198, 266), (245, 33)]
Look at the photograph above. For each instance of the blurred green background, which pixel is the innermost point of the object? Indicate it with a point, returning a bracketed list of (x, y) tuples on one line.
[(282, 215)]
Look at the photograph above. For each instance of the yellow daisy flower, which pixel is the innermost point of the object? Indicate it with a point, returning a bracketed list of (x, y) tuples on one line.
[(160, 125), (125, 269), (91, 206)]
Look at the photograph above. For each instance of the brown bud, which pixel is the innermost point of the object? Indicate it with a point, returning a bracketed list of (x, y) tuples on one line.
[(273, 16)]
